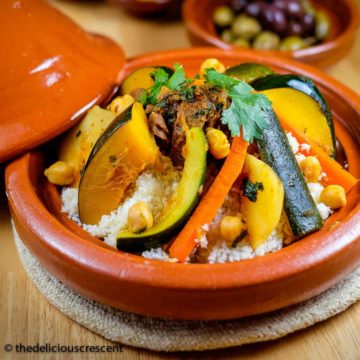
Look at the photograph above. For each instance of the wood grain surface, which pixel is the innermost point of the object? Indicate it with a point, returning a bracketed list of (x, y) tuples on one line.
[(27, 318)]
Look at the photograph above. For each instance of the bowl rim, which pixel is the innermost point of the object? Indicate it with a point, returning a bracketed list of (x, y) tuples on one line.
[(29, 209), (351, 26)]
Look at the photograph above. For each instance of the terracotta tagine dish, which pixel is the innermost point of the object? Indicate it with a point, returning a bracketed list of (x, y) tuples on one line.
[(48, 87), (157, 288), (318, 32)]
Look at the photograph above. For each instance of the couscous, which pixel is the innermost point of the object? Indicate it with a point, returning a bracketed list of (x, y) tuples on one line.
[(209, 169)]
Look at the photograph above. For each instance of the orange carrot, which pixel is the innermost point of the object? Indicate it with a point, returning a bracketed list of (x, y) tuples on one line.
[(205, 212), (335, 173)]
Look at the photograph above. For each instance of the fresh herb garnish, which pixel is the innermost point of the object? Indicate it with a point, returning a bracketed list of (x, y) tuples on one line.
[(187, 93), (161, 78), (248, 111), (251, 189), (218, 79), (178, 78)]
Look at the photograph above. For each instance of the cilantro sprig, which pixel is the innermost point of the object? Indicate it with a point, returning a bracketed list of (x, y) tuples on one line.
[(248, 110), (161, 78), (250, 189)]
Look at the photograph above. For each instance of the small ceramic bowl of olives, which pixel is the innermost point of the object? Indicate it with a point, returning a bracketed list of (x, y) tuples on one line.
[(313, 31)]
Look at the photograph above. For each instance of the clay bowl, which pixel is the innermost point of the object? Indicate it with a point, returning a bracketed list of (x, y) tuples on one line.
[(142, 8), (344, 15), (193, 291), (45, 66)]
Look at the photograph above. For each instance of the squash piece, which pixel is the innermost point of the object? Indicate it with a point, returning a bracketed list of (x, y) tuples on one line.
[(180, 206), (304, 85), (122, 152), (263, 215), (78, 143), (141, 79), (305, 115)]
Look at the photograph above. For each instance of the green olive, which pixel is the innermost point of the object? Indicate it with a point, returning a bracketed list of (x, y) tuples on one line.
[(292, 43), (308, 7), (227, 36), (310, 40), (223, 16), (245, 26), (322, 28), (266, 40), (241, 42)]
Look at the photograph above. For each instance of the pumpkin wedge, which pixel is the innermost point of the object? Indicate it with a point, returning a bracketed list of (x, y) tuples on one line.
[(141, 79), (79, 141), (122, 152), (304, 85), (305, 114)]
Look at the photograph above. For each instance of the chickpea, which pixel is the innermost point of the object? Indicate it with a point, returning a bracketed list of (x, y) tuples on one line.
[(60, 173), (120, 103), (140, 217), (219, 145), (231, 227), (333, 196), (311, 168), (212, 64)]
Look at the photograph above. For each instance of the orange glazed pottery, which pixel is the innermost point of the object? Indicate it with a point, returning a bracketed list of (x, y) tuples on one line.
[(344, 16), (52, 71), (193, 291)]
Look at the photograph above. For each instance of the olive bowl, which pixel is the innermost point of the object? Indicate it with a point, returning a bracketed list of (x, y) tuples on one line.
[(193, 291), (344, 19)]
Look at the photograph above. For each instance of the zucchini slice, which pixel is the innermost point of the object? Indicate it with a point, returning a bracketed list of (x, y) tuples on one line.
[(248, 72), (121, 153), (180, 206), (303, 215), (306, 86)]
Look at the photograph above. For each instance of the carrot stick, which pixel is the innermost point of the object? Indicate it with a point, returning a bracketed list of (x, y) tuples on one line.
[(205, 212), (335, 173)]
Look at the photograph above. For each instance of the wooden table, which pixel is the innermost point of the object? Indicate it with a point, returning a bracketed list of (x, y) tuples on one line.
[(27, 318)]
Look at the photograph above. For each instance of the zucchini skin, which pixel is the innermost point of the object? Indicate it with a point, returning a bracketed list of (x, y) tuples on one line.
[(303, 84), (303, 215), (248, 72), (192, 179)]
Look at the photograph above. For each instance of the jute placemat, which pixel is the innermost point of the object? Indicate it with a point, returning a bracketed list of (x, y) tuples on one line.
[(167, 335)]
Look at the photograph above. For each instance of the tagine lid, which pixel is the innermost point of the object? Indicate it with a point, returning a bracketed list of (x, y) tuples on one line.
[(52, 71)]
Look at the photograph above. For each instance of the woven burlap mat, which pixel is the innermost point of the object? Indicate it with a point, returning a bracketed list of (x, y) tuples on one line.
[(168, 335)]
